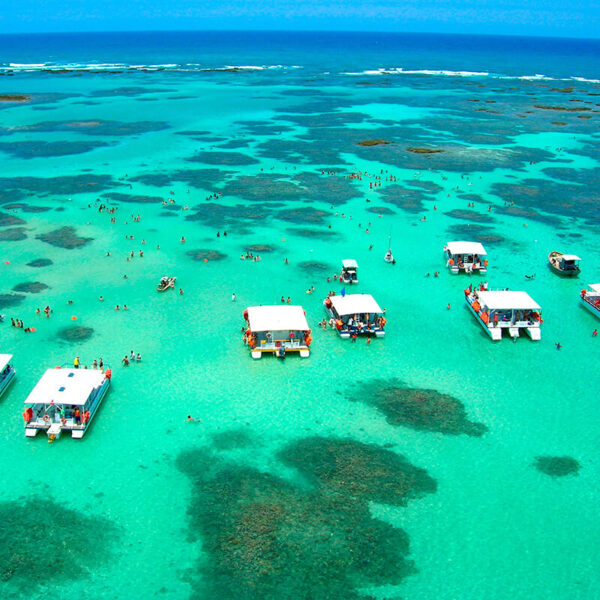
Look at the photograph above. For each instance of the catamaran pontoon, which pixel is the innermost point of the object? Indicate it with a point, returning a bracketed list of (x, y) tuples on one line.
[(349, 268), (278, 330), (497, 311), (65, 400), (356, 314), (466, 257)]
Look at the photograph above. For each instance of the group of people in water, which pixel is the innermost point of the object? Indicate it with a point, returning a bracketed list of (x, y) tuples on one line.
[(133, 357)]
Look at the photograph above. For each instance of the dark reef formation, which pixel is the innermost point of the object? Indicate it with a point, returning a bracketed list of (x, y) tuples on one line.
[(420, 409), (64, 237), (204, 255), (70, 545), (75, 334), (31, 287), (557, 466), (38, 263), (268, 538)]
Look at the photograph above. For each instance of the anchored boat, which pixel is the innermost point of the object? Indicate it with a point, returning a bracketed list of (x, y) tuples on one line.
[(65, 400), (497, 311), (7, 372), (566, 265), (591, 298), (356, 314), (166, 283), (277, 330), (389, 257), (349, 268), (465, 257)]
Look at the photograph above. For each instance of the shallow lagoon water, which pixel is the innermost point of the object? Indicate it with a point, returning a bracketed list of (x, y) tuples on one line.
[(494, 526)]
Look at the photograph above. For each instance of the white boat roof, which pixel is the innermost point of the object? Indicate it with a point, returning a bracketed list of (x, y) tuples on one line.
[(466, 248), (595, 287), (570, 257), (352, 304), (65, 386), (277, 318), (4, 360), (503, 300), (349, 263)]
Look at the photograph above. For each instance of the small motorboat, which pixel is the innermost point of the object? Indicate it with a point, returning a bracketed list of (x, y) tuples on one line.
[(165, 283), (566, 265), (389, 257)]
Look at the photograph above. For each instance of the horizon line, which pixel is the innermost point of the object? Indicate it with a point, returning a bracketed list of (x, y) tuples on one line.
[(287, 31)]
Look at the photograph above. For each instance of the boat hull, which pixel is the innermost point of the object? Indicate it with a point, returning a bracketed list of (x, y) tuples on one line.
[(591, 307), (5, 383), (494, 332), (561, 273)]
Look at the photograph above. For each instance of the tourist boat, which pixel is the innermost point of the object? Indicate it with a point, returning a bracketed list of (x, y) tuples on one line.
[(165, 283), (591, 298), (7, 372), (497, 311), (356, 314), (277, 330), (389, 257), (349, 268), (65, 400), (566, 265), (465, 257)]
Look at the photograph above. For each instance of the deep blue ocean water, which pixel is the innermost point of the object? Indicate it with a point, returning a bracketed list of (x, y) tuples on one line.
[(432, 463), (314, 51)]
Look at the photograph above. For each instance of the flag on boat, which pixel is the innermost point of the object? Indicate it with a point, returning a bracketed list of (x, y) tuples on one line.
[(343, 292)]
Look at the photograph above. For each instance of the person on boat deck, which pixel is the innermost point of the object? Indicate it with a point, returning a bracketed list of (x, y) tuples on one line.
[(77, 416)]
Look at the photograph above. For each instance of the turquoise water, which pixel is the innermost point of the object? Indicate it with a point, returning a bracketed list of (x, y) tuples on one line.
[(266, 139)]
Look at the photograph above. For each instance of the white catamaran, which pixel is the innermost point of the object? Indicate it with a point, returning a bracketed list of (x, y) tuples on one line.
[(65, 400)]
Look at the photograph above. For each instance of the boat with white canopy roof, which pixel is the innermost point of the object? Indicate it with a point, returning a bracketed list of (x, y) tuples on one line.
[(566, 265), (349, 268), (7, 372), (65, 400), (591, 298), (497, 311), (277, 330), (465, 257), (356, 314)]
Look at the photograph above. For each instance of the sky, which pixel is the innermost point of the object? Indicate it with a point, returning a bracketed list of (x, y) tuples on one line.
[(577, 18)]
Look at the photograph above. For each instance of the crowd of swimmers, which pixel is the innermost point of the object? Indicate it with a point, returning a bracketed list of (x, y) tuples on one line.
[(132, 358)]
